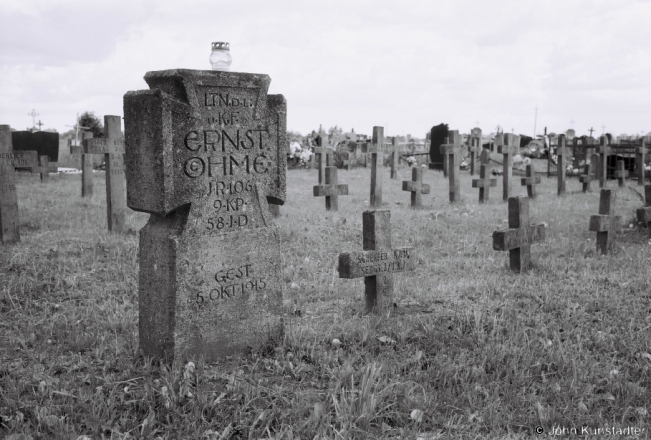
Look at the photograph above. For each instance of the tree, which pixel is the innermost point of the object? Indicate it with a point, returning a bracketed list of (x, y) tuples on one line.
[(88, 119)]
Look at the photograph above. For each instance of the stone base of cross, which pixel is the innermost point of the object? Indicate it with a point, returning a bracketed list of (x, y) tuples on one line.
[(606, 223), (377, 262), (644, 214), (520, 235)]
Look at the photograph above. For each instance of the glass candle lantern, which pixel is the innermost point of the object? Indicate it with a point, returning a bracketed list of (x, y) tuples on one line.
[(220, 58)]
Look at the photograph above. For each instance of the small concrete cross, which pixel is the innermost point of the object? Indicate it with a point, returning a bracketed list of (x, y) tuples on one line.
[(507, 150), (484, 183), (606, 223), (621, 173), (452, 150), (375, 150), (530, 181), (639, 162), (395, 157), (475, 147), (561, 153), (43, 168), (40, 124), (112, 147), (331, 190), (416, 187), (323, 155), (603, 151), (644, 214), (378, 261), (520, 235), (586, 177), (346, 161)]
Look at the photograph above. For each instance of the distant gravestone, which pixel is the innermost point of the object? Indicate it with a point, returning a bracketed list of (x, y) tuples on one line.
[(639, 162), (644, 214), (205, 152), (331, 189), (508, 149), (561, 154), (112, 147), (621, 174), (520, 235), (375, 151), (45, 143), (602, 151), (605, 224), (416, 187), (586, 177), (378, 262), (531, 180), (475, 147), (452, 150)]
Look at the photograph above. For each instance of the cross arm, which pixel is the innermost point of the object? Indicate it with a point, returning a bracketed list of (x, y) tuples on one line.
[(603, 223), (330, 190), (483, 183), (369, 263), (514, 238), (410, 185), (530, 180)]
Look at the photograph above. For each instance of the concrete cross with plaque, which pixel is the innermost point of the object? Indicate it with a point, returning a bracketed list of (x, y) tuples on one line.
[(606, 223), (508, 148), (644, 214), (520, 235), (416, 187), (205, 155), (378, 261), (531, 180), (452, 150), (112, 147)]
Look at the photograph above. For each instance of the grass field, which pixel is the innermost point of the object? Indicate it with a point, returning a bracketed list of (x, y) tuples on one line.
[(470, 350)]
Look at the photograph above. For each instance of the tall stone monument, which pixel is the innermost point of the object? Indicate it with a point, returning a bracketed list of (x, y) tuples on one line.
[(205, 153)]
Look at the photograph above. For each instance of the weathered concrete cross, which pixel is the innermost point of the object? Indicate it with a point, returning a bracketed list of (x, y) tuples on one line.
[(395, 157), (323, 155), (475, 147), (346, 161), (416, 187), (520, 235), (639, 162), (644, 214), (586, 177), (378, 262), (43, 168), (530, 181), (561, 153), (86, 168), (621, 173), (507, 150), (331, 189), (452, 151), (112, 147), (375, 150), (606, 223), (603, 150)]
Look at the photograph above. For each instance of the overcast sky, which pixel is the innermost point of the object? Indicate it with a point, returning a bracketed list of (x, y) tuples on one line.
[(405, 65)]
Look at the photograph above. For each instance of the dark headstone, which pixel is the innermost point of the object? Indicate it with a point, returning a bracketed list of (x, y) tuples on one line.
[(378, 262), (605, 224), (205, 152), (520, 235), (438, 137), (43, 142)]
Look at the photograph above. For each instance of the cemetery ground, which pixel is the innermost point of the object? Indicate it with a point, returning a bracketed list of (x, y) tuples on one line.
[(469, 349)]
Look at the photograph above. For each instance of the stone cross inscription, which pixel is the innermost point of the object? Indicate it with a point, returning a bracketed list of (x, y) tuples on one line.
[(112, 147), (644, 214), (331, 190), (416, 187), (205, 153), (530, 181), (507, 149), (606, 223), (452, 151), (378, 262), (520, 235)]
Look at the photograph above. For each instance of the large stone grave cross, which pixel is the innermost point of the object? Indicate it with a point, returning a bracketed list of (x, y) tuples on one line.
[(416, 187), (531, 180), (475, 147), (621, 174), (112, 147), (606, 223), (395, 157), (10, 159), (331, 189), (452, 151), (644, 214), (374, 148), (561, 154), (484, 182), (586, 177), (639, 162), (378, 261), (520, 235), (205, 153), (507, 149), (602, 151)]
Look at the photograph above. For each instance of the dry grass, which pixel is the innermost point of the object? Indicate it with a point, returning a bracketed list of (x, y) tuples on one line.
[(470, 350)]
